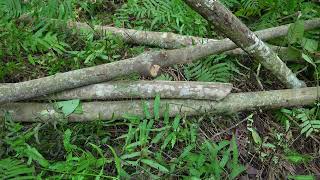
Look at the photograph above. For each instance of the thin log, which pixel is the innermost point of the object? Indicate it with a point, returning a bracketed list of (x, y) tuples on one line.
[(234, 102), (146, 89), (144, 64), (240, 34), (170, 40)]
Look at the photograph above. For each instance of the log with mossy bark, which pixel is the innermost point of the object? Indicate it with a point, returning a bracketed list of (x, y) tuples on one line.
[(105, 110), (147, 63), (116, 90), (240, 34)]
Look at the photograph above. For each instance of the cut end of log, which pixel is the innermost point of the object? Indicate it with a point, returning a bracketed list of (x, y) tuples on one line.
[(154, 70)]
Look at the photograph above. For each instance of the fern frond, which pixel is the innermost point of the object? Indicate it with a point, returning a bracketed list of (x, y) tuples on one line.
[(10, 8), (161, 15), (15, 169), (249, 8), (164, 77), (309, 123), (210, 69)]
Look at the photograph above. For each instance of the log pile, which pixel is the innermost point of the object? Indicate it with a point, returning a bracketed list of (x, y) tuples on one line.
[(113, 99)]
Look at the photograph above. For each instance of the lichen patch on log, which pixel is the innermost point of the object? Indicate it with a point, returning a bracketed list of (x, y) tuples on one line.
[(146, 89), (234, 102)]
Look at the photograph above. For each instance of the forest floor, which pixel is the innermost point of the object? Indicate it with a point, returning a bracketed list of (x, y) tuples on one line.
[(259, 144)]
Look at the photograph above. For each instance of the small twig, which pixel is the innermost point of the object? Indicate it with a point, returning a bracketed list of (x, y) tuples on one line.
[(226, 130)]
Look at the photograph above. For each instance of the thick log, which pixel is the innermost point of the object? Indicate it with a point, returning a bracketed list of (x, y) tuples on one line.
[(240, 34), (146, 89), (234, 102), (144, 63)]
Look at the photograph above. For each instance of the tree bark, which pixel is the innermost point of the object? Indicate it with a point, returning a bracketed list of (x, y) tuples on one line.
[(240, 34), (144, 63), (167, 39), (77, 78), (234, 102), (171, 40), (146, 89), (283, 52)]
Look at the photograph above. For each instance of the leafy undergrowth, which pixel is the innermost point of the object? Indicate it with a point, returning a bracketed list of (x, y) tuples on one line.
[(138, 147), (258, 144)]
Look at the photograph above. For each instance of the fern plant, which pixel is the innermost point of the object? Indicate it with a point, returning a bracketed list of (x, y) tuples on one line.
[(273, 12), (211, 69), (308, 119), (161, 15), (11, 168)]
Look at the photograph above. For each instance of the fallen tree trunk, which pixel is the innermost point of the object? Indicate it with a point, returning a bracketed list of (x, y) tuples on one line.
[(240, 34), (234, 102), (146, 63), (146, 89)]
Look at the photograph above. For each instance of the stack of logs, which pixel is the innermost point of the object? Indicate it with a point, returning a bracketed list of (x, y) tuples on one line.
[(113, 99)]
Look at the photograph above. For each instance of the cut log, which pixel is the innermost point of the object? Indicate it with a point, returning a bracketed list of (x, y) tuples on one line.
[(167, 39), (104, 110), (143, 63), (171, 40), (146, 89), (240, 34)]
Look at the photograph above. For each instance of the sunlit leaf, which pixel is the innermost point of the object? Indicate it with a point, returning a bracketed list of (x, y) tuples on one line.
[(296, 32), (68, 107)]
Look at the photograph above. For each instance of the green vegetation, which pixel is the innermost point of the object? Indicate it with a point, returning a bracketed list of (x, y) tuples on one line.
[(280, 144)]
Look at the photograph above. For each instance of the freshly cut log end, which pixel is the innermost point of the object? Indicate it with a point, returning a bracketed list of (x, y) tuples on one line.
[(234, 102), (117, 90), (154, 70)]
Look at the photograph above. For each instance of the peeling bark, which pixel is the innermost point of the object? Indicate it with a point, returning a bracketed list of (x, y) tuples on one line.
[(234, 102), (240, 34), (146, 89)]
